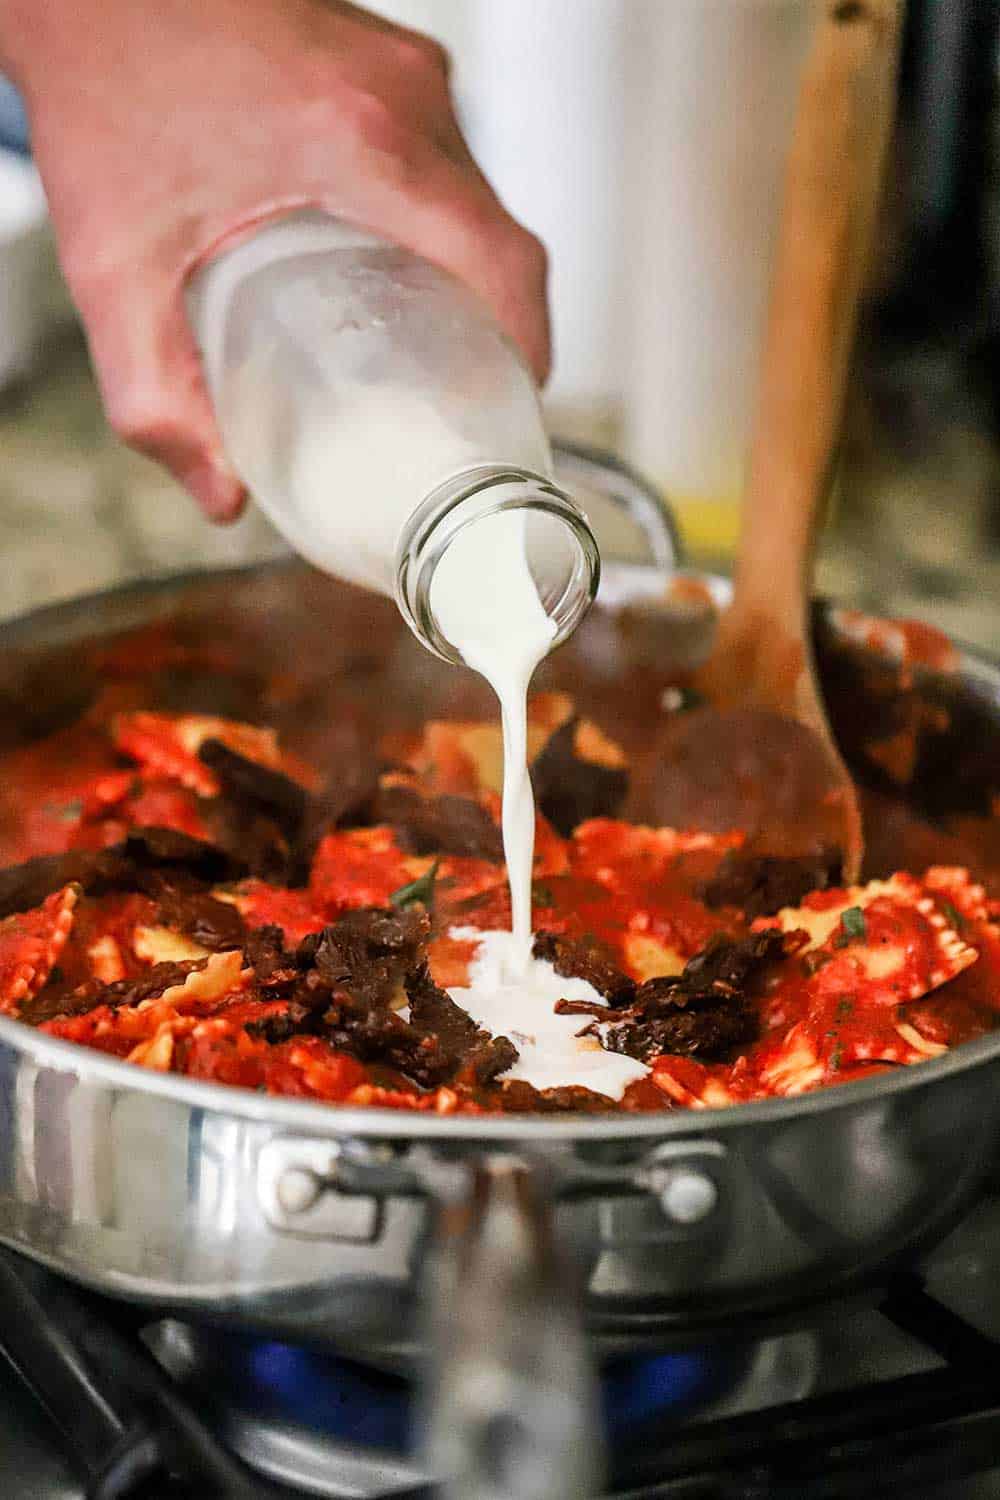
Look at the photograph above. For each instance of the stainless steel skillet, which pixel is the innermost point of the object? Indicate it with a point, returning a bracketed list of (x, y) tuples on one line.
[(313, 1222)]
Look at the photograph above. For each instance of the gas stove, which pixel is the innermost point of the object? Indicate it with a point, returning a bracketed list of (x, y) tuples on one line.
[(896, 1393)]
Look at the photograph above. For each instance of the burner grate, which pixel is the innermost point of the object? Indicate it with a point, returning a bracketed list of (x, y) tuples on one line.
[(126, 1422)]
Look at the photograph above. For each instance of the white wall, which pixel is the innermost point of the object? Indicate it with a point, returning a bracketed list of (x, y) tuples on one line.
[(644, 141)]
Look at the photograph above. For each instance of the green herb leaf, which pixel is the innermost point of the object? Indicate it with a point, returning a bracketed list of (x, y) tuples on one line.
[(844, 1008), (952, 916), (421, 889), (540, 894), (836, 1058), (69, 812), (853, 926)]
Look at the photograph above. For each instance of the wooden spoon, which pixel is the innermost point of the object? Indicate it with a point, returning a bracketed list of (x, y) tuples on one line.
[(761, 664)]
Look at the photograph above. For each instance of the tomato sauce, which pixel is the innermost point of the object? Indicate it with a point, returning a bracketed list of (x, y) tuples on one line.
[(878, 977)]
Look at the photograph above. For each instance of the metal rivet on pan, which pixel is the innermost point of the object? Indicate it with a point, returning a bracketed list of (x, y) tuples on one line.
[(686, 1195), (298, 1189)]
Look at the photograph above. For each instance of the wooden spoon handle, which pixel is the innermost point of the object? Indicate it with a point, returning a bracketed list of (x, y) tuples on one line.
[(831, 197)]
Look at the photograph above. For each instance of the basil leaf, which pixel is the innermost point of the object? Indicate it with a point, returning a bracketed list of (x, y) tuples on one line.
[(421, 889), (853, 922), (952, 915)]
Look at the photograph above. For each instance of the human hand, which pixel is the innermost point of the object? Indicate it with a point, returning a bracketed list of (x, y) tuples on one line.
[(162, 130)]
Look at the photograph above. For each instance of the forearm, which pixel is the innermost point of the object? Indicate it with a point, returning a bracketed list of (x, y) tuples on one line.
[(159, 130)]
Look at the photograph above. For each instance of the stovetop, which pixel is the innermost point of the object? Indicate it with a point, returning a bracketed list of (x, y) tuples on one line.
[(897, 1393)]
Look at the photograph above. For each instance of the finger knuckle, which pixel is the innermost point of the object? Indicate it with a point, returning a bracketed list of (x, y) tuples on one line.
[(422, 55), (136, 413), (528, 256), (374, 122), (92, 272)]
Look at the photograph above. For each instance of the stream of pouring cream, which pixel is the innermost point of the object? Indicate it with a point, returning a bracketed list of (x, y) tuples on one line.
[(487, 604)]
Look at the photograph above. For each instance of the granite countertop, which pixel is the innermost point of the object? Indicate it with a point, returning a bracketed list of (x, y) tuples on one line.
[(79, 511), (915, 529)]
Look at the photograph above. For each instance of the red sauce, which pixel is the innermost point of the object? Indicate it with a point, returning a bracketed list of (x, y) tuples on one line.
[(865, 999), (912, 642), (358, 868)]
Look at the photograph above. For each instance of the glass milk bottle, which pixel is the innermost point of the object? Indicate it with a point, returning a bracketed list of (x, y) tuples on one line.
[(379, 417)]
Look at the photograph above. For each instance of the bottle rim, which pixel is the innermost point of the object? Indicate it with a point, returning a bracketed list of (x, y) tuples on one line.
[(464, 500)]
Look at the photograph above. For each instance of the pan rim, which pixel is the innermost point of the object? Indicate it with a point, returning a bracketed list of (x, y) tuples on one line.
[(372, 1122)]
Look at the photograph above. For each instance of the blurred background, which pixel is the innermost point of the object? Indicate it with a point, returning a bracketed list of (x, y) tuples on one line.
[(643, 140)]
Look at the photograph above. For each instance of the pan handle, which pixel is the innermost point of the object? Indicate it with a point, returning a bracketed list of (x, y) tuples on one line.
[(581, 467), (512, 1400)]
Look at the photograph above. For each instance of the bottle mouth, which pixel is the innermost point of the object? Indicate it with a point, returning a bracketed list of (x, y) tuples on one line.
[(561, 551)]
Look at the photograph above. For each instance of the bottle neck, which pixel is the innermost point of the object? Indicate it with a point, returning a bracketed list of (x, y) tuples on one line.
[(560, 549)]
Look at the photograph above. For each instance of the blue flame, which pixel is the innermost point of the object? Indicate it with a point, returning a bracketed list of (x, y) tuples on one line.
[(331, 1395), (375, 1409), (637, 1391)]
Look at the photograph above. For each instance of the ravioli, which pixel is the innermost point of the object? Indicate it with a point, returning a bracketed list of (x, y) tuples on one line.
[(334, 970), (30, 945), (890, 937)]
